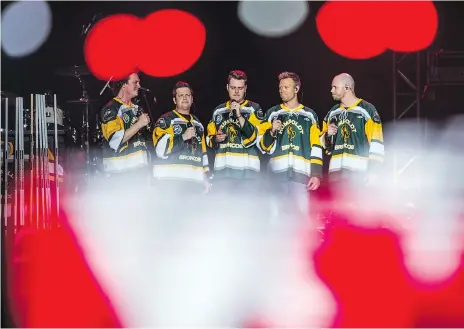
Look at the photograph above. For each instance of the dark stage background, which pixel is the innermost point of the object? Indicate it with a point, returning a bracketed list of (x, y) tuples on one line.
[(229, 45)]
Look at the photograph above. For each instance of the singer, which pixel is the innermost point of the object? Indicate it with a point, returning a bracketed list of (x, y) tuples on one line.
[(232, 134), (180, 147), (290, 134), (352, 133), (124, 148)]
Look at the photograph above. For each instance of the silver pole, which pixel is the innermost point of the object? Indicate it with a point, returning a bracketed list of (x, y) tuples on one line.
[(21, 162), (46, 167), (42, 163), (16, 164), (5, 179), (37, 165), (31, 162), (1, 158), (57, 183)]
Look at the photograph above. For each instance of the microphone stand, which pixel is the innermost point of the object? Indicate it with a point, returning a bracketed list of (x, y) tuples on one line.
[(85, 123), (85, 97), (149, 112)]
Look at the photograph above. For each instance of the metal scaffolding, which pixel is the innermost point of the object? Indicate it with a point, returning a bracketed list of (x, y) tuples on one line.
[(406, 96), (412, 97)]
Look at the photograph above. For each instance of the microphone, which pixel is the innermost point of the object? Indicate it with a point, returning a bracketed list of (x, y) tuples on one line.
[(189, 125), (332, 138), (280, 117), (191, 142), (234, 114), (145, 89)]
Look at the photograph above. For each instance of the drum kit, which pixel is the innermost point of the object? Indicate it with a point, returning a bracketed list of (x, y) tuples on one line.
[(40, 142), (34, 134)]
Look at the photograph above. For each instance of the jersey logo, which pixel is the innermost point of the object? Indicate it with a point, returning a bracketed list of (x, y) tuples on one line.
[(345, 133), (125, 118), (291, 133), (376, 117), (161, 123), (177, 129), (232, 132), (108, 115), (260, 114), (218, 119)]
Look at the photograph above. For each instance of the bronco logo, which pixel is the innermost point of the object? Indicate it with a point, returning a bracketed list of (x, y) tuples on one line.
[(291, 133), (345, 133), (233, 133)]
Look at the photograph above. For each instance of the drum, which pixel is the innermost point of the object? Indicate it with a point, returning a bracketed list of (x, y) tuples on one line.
[(50, 116)]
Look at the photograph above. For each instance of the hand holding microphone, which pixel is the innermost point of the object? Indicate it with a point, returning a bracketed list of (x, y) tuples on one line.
[(276, 125), (332, 130), (235, 107), (189, 132), (143, 120)]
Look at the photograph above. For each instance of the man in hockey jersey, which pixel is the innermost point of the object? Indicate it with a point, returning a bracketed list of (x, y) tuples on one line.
[(124, 148), (351, 133), (290, 134), (232, 133), (180, 145)]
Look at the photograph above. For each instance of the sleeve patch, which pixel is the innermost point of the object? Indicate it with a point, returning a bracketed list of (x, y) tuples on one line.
[(161, 123), (108, 115), (260, 114)]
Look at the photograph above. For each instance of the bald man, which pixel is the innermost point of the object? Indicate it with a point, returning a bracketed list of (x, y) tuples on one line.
[(351, 133)]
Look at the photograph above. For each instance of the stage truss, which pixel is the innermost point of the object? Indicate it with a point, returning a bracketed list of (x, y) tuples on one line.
[(407, 95)]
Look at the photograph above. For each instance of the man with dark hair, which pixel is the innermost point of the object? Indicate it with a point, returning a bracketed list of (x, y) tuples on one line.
[(351, 133), (124, 148), (179, 143), (290, 134), (232, 133)]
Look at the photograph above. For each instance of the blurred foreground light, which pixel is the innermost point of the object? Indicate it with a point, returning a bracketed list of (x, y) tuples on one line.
[(25, 27), (273, 18)]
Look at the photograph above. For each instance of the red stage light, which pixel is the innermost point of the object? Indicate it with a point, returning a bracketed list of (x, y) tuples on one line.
[(108, 47), (365, 29), (415, 25), (173, 41), (165, 43)]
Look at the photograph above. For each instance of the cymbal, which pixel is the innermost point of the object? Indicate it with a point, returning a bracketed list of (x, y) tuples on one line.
[(72, 71), (82, 101), (7, 94)]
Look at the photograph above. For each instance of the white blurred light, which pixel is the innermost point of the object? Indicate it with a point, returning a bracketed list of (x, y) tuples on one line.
[(25, 27), (198, 266), (426, 202), (273, 18)]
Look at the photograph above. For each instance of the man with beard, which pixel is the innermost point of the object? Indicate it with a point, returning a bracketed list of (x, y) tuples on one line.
[(290, 134), (351, 133)]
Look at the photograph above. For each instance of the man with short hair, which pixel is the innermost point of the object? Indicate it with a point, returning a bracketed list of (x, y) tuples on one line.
[(179, 143), (232, 134), (124, 148), (351, 133), (290, 134)]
